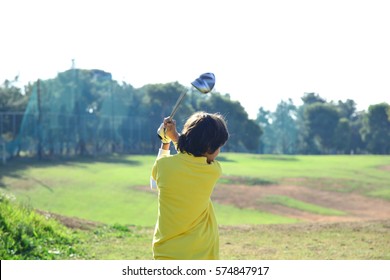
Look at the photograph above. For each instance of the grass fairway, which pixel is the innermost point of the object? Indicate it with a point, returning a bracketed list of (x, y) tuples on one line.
[(111, 190), (312, 241), (367, 174), (115, 189), (293, 203), (268, 207)]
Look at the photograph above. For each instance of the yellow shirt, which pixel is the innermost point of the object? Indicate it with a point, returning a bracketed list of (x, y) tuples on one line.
[(186, 227)]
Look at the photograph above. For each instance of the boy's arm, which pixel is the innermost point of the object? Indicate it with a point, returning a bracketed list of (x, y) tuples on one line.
[(167, 132), (163, 151)]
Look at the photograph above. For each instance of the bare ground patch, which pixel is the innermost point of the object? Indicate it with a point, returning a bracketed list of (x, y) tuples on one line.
[(70, 222), (357, 207), (385, 168)]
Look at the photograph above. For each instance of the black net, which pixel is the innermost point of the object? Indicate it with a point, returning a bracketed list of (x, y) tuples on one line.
[(82, 112)]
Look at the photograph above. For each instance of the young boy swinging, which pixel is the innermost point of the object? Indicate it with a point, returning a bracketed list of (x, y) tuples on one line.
[(186, 227)]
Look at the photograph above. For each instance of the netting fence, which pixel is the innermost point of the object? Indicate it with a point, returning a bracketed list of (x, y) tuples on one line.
[(78, 113)]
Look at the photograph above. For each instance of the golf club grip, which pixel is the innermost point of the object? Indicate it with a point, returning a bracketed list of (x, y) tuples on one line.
[(177, 105)]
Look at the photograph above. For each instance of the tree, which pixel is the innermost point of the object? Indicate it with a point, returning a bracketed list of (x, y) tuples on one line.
[(356, 125), (376, 130), (348, 138), (11, 98), (284, 127), (322, 120), (280, 129), (312, 98), (158, 100), (347, 109), (164, 96), (267, 139), (342, 136), (244, 133), (12, 103)]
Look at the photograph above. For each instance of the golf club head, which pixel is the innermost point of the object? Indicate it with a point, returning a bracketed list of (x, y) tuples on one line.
[(204, 83)]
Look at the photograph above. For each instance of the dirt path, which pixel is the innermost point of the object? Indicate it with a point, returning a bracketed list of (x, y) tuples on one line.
[(71, 222), (357, 207)]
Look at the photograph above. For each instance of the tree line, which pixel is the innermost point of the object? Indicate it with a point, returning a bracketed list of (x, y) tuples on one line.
[(86, 112), (321, 127)]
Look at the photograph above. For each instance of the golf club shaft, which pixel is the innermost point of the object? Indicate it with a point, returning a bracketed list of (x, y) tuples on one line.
[(177, 104)]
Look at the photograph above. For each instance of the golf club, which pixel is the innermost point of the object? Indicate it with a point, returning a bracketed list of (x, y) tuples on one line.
[(204, 84)]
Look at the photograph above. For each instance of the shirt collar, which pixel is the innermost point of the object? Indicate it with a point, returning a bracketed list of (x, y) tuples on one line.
[(192, 158)]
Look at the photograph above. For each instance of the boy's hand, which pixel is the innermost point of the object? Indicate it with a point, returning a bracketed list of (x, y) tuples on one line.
[(161, 133), (170, 129)]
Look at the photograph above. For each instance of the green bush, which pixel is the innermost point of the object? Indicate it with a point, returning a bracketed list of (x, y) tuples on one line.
[(27, 235)]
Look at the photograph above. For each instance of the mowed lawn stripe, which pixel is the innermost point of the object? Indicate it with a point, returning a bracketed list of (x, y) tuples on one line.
[(301, 205), (107, 189)]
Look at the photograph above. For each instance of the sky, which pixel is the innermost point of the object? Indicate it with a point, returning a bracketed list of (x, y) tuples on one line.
[(261, 52)]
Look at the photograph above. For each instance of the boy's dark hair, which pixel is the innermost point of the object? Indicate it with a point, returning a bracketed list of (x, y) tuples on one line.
[(203, 133)]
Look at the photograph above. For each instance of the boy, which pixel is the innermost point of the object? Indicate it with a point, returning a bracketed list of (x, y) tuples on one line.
[(186, 227)]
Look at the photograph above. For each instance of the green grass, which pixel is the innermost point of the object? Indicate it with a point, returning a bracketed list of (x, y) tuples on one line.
[(107, 189), (314, 241), (101, 190), (300, 205), (230, 215), (337, 241), (355, 173), (382, 193), (24, 234)]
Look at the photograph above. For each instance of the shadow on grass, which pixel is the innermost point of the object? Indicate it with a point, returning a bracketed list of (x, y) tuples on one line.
[(277, 157), (15, 167), (248, 181), (224, 159)]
